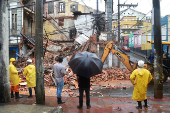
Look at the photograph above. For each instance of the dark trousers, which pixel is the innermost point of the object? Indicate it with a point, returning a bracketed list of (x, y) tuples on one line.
[(87, 91), (30, 91), (140, 104)]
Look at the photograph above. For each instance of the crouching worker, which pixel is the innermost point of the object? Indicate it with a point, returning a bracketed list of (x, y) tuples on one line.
[(14, 79), (140, 78), (29, 71)]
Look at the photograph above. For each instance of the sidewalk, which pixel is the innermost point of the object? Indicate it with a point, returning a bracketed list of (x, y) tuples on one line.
[(99, 105)]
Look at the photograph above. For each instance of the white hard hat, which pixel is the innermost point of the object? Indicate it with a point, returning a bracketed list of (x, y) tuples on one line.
[(29, 60), (141, 63)]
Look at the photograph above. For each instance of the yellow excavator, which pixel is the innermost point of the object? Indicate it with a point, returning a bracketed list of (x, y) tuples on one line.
[(125, 59)]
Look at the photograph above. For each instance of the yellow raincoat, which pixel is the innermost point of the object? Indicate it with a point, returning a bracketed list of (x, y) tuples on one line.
[(29, 71), (13, 75), (140, 78)]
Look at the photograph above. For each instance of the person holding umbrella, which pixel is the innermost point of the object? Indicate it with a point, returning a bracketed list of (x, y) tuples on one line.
[(140, 78), (59, 72), (30, 73), (84, 85), (85, 65)]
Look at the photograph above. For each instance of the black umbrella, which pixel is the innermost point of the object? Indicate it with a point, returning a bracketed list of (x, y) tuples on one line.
[(86, 64)]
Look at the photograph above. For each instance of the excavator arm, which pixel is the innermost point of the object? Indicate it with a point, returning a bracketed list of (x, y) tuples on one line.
[(125, 59)]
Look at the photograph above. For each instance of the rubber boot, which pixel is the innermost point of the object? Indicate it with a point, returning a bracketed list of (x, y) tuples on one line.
[(12, 94), (17, 95), (80, 106), (60, 101)]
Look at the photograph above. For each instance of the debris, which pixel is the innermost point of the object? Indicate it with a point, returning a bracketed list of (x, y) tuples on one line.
[(124, 87), (71, 94), (52, 49), (119, 109)]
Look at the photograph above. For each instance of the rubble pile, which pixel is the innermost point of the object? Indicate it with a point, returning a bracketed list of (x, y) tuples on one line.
[(112, 74), (53, 49), (107, 74)]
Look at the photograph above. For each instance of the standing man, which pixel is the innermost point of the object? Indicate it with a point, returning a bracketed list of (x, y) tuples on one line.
[(59, 72), (151, 57), (140, 78), (84, 85), (29, 71), (14, 79)]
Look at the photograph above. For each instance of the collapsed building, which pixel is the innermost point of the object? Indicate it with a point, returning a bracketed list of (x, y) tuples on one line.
[(54, 48)]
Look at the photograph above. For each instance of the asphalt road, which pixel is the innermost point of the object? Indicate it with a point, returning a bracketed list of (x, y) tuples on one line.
[(128, 92)]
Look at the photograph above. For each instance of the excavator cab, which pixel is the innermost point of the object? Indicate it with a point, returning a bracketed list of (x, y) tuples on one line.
[(166, 60)]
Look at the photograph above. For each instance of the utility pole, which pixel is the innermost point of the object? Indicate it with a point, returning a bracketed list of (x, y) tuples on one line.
[(127, 5), (40, 93), (120, 5), (4, 54), (109, 12), (158, 78), (118, 22), (97, 24)]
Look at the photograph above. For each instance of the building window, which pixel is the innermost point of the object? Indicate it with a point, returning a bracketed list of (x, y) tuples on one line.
[(125, 19), (74, 8), (72, 33), (61, 7), (144, 38), (122, 26), (50, 7), (129, 19), (164, 31), (129, 26), (14, 21), (126, 26)]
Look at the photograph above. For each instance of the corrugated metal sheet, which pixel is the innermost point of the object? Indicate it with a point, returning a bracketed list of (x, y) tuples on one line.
[(81, 39), (103, 37)]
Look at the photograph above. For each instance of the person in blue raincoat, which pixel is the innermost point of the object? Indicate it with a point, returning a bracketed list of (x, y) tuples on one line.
[(140, 78)]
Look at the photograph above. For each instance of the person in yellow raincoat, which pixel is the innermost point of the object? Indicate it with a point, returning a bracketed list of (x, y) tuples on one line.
[(14, 79), (140, 78), (30, 73)]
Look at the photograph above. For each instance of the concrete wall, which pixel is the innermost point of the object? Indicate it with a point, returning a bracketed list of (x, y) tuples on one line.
[(84, 24), (67, 12), (4, 53), (29, 24), (137, 39), (146, 35), (51, 26), (168, 28), (131, 12), (54, 33), (164, 32)]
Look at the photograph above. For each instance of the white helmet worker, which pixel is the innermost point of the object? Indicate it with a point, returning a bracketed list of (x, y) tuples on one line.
[(29, 60), (141, 63)]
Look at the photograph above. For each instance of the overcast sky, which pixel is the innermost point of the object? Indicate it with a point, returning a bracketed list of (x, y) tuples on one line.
[(144, 6)]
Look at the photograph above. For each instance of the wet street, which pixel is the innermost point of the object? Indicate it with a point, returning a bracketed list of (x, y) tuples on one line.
[(128, 92)]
